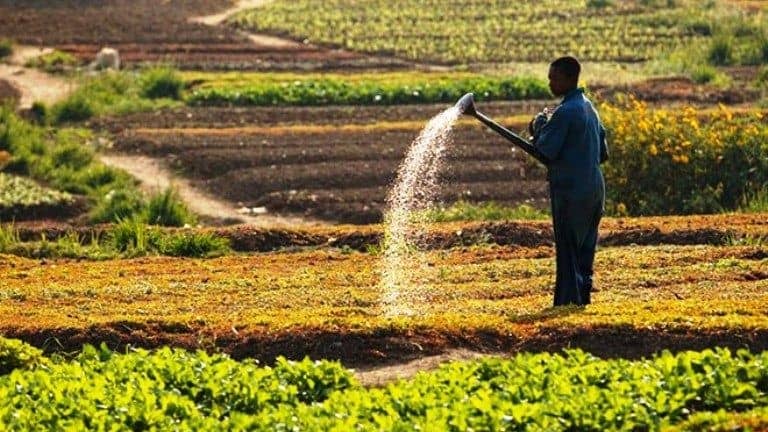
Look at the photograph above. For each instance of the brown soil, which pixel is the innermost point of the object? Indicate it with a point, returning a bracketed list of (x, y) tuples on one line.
[(9, 93), (232, 117), (155, 177), (678, 89), (63, 212), (393, 346), (534, 238), (335, 174), (163, 31)]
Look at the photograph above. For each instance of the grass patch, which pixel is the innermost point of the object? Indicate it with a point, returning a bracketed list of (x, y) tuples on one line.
[(64, 160), (167, 209), (488, 211), (756, 202), (54, 62), (108, 93), (161, 82), (194, 244), (6, 48)]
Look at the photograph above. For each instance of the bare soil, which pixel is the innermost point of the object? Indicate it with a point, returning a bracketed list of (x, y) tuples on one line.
[(335, 174), (172, 31), (155, 177)]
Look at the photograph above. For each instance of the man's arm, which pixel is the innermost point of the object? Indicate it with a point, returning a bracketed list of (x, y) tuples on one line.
[(552, 136), (603, 145)]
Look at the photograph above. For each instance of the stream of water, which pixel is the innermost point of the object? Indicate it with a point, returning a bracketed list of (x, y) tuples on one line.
[(414, 191)]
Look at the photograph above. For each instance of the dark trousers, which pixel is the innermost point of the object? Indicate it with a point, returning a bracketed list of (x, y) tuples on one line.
[(575, 221)]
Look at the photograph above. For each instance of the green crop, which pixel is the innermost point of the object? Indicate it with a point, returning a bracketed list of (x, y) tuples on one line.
[(362, 90), (177, 390), (22, 192), (487, 31)]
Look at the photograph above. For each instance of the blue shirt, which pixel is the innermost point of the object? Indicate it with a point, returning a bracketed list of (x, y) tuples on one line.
[(574, 142)]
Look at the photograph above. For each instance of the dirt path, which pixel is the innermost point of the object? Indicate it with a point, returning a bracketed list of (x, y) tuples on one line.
[(155, 176), (380, 376), (33, 84)]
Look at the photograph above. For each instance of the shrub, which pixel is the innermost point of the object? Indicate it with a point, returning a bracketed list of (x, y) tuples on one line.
[(6, 48), (134, 236), (39, 112), (54, 62), (674, 162), (167, 209), (720, 52), (161, 82), (75, 108), (117, 205), (704, 74), (15, 354), (194, 244)]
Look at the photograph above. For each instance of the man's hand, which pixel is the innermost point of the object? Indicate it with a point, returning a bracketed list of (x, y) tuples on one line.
[(538, 122)]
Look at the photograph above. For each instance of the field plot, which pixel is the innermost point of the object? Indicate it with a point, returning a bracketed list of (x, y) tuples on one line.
[(151, 31), (468, 32), (326, 303), (334, 172)]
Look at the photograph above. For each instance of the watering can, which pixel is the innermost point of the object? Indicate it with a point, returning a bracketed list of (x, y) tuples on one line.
[(466, 105)]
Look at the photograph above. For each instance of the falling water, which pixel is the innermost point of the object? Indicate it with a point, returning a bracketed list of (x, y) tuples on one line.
[(415, 189)]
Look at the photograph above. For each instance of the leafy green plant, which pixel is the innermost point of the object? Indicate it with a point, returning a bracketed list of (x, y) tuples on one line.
[(161, 82), (720, 52), (9, 236), (131, 234), (193, 244), (167, 209), (15, 354), (487, 211), (54, 62), (176, 389), (75, 108), (364, 90)]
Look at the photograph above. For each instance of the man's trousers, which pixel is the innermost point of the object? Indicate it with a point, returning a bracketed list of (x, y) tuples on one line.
[(575, 220)]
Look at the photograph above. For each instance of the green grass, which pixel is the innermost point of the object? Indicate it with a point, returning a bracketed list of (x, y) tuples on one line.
[(54, 62), (488, 211), (111, 93), (756, 202), (167, 209)]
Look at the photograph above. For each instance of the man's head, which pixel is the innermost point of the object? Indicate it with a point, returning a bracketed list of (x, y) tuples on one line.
[(564, 75)]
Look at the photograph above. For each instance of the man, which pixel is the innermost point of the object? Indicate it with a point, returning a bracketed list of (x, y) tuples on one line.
[(573, 141)]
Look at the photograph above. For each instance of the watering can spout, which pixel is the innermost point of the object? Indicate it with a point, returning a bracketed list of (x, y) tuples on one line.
[(466, 104)]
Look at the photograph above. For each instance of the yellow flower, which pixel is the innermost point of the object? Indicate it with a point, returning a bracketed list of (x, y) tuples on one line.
[(653, 150)]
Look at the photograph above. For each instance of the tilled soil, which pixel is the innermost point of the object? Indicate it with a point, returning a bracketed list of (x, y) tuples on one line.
[(679, 230), (9, 93), (161, 31), (335, 173)]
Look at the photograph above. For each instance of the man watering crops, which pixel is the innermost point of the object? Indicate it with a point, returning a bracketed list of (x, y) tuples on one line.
[(573, 141)]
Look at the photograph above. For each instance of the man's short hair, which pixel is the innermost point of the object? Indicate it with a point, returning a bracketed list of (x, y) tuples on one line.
[(568, 65)]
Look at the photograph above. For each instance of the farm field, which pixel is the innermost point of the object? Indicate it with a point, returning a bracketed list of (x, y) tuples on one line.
[(326, 303), (148, 31)]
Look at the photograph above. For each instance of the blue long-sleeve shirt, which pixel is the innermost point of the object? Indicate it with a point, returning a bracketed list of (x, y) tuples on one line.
[(573, 140)]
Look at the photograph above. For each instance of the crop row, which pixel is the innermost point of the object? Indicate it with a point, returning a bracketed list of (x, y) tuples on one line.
[(174, 389), (256, 302), (468, 31), (339, 90), (19, 191)]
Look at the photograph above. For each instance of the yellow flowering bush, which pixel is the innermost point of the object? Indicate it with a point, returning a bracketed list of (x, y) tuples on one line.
[(682, 161)]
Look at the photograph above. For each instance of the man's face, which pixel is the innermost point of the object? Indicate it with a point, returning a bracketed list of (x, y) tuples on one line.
[(559, 84)]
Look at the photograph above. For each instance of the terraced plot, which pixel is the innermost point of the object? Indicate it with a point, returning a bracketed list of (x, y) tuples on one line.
[(151, 31), (338, 173), (327, 303)]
